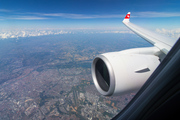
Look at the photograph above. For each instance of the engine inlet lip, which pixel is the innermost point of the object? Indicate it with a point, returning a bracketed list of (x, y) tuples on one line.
[(111, 76)]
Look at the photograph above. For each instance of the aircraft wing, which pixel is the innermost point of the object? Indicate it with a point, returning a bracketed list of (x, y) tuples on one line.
[(160, 41), (122, 72)]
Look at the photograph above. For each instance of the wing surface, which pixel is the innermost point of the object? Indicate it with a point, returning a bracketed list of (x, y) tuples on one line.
[(160, 41)]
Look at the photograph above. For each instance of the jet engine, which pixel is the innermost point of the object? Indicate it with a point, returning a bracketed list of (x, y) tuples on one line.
[(125, 71)]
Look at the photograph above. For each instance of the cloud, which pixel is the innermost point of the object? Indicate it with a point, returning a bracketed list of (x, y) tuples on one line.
[(130, 32), (5, 10), (150, 14), (19, 16), (175, 33), (81, 16), (16, 33), (40, 16), (146, 14), (27, 32), (27, 18)]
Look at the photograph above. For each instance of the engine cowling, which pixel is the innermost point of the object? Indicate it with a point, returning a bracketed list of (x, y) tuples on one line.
[(117, 73)]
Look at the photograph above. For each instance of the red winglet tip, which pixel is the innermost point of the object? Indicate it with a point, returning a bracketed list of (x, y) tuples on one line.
[(127, 16)]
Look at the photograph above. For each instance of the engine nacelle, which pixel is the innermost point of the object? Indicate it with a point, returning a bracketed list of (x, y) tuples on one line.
[(119, 73)]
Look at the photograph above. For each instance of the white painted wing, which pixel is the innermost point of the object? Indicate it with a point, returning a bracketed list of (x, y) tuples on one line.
[(160, 41)]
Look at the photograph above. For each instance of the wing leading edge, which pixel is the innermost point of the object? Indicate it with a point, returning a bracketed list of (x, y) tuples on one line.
[(160, 41)]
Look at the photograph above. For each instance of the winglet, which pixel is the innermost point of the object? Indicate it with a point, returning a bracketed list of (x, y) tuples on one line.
[(126, 19)]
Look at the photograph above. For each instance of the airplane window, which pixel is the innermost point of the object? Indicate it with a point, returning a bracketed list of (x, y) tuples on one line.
[(47, 49)]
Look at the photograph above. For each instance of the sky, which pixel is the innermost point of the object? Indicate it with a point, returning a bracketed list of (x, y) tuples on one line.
[(162, 16)]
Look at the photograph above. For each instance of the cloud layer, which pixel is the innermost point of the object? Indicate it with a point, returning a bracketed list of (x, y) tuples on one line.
[(116, 31), (151, 14), (16, 33), (146, 14), (81, 16), (40, 16), (27, 17), (175, 33)]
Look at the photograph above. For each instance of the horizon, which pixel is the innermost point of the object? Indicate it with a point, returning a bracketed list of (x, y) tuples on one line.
[(90, 16)]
